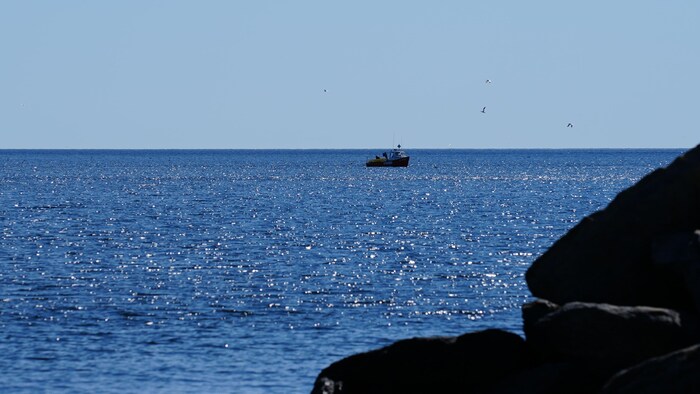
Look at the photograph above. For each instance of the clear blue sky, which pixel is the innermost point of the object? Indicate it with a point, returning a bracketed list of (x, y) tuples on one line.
[(252, 74)]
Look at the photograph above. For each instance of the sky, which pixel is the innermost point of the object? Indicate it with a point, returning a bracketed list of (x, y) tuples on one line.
[(333, 74)]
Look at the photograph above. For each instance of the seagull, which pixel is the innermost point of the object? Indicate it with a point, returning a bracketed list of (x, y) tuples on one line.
[(488, 81), (483, 110), (570, 125)]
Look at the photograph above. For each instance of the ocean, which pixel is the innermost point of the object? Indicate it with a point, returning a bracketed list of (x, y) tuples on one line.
[(249, 271)]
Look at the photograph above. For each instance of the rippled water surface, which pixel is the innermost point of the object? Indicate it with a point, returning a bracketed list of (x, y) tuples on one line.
[(250, 271)]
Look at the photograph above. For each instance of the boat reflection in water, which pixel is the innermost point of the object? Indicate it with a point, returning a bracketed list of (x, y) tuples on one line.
[(395, 158)]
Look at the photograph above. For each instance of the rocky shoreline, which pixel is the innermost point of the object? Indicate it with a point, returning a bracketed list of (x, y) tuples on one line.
[(617, 311)]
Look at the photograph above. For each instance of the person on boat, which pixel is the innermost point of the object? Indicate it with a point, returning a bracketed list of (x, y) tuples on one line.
[(385, 156)]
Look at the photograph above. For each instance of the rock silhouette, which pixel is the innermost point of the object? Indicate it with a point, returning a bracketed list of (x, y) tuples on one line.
[(607, 257), (426, 365)]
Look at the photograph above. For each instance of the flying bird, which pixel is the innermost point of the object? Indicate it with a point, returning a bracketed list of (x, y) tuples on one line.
[(488, 81), (483, 110), (570, 125)]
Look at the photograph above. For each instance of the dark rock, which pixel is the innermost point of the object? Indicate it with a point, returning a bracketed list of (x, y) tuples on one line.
[(553, 378), (675, 373), (674, 249), (534, 311), (605, 335), (679, 255), (464, 364), (606, 258)]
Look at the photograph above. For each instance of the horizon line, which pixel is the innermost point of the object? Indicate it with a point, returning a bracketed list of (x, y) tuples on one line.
[(338, 149)]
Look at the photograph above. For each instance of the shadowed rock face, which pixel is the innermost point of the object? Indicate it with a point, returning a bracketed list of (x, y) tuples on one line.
[(678, 255), (607, 334), (553, 378), (607, 257), (675, 373), (428, 365)]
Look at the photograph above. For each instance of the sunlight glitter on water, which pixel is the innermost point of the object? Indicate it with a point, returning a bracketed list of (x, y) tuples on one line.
[(201, 267)]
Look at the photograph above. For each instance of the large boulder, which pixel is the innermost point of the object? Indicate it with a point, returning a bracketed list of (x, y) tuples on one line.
[(605, 335), (465, 364), (606, 258), (534, 311), (553, 378), (678, 255), (675, 373)]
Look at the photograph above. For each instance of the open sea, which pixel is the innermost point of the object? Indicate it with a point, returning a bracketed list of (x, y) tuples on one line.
[(246, 271)]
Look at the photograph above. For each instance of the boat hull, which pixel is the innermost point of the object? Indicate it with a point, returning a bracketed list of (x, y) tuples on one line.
[(401, 162)]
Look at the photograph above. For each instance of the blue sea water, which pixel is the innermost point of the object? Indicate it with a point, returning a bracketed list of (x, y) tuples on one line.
[(250, 271)]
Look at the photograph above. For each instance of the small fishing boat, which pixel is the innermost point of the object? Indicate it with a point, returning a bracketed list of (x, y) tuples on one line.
[(395, 158)]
